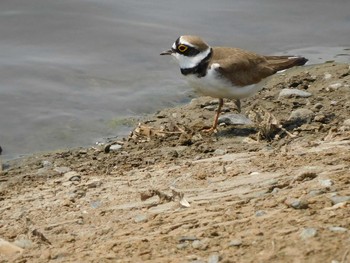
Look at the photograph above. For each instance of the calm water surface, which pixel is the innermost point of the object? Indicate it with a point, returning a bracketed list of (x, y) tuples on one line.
[(70, 70)]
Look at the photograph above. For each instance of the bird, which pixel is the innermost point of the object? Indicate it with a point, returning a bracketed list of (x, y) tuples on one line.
[(225, 72)]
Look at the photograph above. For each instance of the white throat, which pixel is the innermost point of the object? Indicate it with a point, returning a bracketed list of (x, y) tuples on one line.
[(190, 62)]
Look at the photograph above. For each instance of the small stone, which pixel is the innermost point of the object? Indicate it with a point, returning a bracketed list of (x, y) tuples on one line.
[(338, 229), (219, 152), (95, 204), (275, 190), (339, 199), (42, 171), (211, 107), (296, 203), (182, 245), (115, 147), (94, 183), (308, 232), (235, 243), (269, 182), (254, 173), (23, 243), (334, 103), (46, 163), (72, 176), (318, 106), (326, 182), (260, 213), (304, 115), (62, 170), (314, 193), (320, 118), (140, 218), (234, 119), (214, 258), (327, 76), (197, 244), (287, 93), (334, 86), (66, 184), (346, 122), (187, 238)]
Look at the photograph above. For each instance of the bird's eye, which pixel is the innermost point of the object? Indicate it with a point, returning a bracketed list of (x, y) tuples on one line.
[(182, 48)]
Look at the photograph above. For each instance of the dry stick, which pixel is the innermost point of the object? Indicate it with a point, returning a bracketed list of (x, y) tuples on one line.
[(345, 256)]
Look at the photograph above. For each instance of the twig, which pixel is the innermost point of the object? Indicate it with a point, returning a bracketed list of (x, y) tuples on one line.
[(40, 235), (345, 256)]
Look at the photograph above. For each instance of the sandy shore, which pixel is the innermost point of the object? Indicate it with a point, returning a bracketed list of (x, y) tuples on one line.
[(274, 190)]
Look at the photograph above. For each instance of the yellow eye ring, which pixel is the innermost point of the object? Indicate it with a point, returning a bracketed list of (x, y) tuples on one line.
[(182, 48)]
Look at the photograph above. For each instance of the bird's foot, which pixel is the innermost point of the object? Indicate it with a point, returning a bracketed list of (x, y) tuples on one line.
[(210, 130)]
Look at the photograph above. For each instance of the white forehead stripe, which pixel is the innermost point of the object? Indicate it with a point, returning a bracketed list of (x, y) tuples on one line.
[(182, 41)]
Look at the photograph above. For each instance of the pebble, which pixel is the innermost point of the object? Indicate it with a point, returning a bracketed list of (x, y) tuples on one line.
[(115, 147), (338, 229), (308, 232), (140, 218), (314, 193), (235, 243), (334, 86), (94, 183), (46, 163), (293, 93), (62, 169), (296, 203), (234, 119), (197, 244), (318, 106), (214, 258), (320, 118), (339, 199), (95, 204), (260, 213), (254, 173), (327, 76), (220, 152), (346, 122), (182, 245), (23, 243), (211, 107), (326, 182), (72, 176), (305, 115), (187, 238), (275, 190)]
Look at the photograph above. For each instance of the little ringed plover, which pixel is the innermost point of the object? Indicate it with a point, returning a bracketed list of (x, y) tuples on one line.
[(225, 72)]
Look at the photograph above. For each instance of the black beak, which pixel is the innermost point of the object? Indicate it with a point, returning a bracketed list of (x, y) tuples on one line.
[(168, 52)]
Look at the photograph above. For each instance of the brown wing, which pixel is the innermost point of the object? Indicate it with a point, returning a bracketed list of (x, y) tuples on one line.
[(245, 68), (284, 62)]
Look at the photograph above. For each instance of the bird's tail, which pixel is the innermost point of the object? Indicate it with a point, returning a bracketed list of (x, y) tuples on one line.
[(284, 62)]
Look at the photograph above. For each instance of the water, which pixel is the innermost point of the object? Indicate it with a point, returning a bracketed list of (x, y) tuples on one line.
[(71, 70)]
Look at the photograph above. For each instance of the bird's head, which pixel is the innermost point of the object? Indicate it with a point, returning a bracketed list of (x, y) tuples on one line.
[(189, 51)]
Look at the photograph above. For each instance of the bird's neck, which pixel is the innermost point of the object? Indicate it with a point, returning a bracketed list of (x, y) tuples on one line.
[(201, 66)]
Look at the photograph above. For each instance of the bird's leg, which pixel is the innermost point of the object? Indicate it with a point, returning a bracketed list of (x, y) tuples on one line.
[(215, 123), (238, 105)]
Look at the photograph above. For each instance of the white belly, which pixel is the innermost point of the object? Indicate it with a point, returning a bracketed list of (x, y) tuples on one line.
[(214, 86)]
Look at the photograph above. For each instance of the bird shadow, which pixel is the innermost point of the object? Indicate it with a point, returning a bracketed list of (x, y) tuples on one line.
[(236, 131)]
